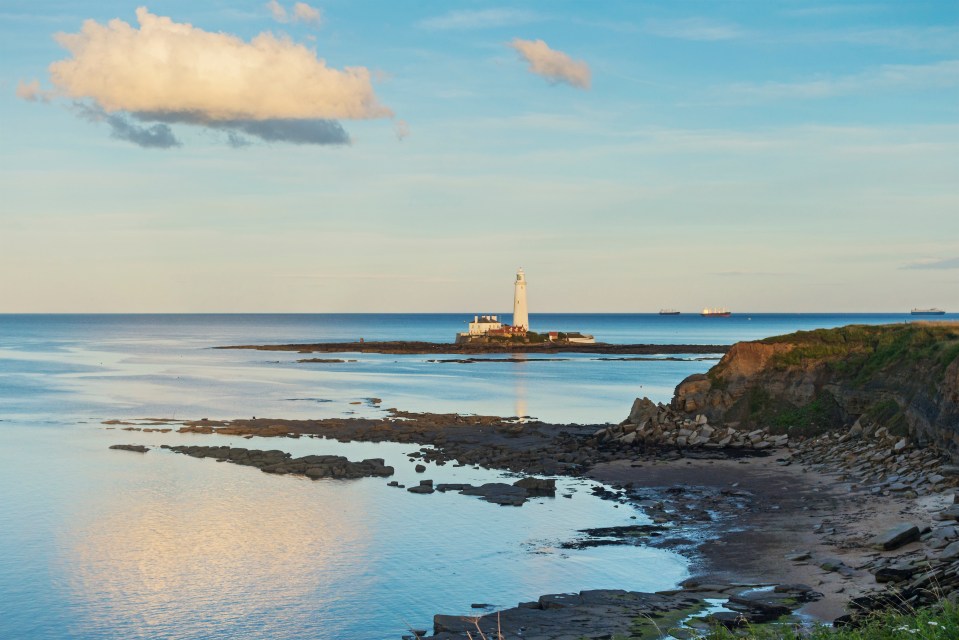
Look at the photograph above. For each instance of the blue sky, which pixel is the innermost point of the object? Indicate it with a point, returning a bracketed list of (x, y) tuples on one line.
[(790, 156)]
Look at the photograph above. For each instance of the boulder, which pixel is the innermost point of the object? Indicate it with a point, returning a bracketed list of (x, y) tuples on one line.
[(895, 537), (895, 572), (951, 552), (422, 489), (499, 493), (643, 409), (537, 486)]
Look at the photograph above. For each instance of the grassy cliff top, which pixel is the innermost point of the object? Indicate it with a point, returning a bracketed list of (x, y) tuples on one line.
[(867, 349)]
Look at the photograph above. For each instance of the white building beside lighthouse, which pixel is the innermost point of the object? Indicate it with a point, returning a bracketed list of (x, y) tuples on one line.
[(520, 308)]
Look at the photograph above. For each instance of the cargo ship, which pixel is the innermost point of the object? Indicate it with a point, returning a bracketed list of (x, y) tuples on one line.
[(928, 312), (716, 313), (668, 312)]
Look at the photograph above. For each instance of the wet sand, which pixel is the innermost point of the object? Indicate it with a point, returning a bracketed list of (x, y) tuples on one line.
[(787, 510)]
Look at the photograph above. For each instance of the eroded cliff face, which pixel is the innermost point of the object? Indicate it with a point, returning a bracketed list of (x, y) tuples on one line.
[(902, 377)]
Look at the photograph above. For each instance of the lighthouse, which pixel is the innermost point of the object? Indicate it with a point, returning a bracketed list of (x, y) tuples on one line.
[(520, 310)]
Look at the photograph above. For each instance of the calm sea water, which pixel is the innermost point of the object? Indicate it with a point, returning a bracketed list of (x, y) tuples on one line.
[(105, 544)]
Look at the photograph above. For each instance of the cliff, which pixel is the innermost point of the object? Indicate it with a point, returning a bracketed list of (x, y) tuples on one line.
[(903, 377)]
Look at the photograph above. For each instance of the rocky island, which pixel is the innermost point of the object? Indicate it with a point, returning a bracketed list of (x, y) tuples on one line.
[(490, 346)]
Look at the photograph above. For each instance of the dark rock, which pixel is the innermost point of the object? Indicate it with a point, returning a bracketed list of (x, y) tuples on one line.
[(424, 489), (761, 606), (950, 513), (728, 619), (895, 573), (537, 486), (499, 493), (951, 552), (896, 537), (279, 462), (137, 448), (834, 565), (452, 487)]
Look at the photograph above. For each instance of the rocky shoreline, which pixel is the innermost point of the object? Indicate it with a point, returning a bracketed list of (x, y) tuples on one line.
[(751, 509), (441, 348)]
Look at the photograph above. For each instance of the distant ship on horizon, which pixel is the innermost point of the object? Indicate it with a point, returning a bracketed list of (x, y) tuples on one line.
[(668, 312), (716, 313), (928, 312)]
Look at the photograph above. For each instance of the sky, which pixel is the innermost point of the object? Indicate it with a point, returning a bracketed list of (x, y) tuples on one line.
[(360, 156)]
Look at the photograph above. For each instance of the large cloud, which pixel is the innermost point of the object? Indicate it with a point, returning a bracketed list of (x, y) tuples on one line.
[(163, 71), (551, 64)]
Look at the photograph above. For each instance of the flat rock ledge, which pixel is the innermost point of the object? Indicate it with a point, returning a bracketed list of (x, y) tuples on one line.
[(607, 613), (500, 493), (137, 448), (280, 462), (441, 348)]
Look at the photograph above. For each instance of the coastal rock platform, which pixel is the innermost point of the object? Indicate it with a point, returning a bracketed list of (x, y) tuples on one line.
[(280, 462), (607, 613)]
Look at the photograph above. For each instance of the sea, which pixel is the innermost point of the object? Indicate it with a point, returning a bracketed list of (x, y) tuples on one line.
[(99, 543)]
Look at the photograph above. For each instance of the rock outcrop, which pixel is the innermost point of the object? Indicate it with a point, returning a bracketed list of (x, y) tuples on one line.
[(902, 377), (280, 462), (659, 425), (609, 613)]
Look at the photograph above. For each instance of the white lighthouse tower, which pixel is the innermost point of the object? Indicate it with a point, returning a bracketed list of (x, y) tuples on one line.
[(520, 310)]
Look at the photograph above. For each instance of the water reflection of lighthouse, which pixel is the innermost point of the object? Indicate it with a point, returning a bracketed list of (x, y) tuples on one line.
[(519, 387)]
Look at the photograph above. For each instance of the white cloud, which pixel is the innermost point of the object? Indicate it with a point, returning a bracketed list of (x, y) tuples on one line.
[(832, 10), (551, 64), (934, 263), (301, 12), (893, 76), (277, 10), (479, 19), (693, 29), (925, 38), (32, 92), (168, 67)]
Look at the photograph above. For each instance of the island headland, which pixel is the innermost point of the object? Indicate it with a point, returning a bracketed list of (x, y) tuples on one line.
[(814, 472)]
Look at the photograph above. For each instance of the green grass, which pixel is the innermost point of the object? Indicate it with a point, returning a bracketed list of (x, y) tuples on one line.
[(812, 419), (861, 351), (906, 357), (758, 408)]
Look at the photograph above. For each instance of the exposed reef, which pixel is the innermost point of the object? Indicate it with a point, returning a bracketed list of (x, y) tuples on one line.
[(428, 348), (609, 613), (280, 462)]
